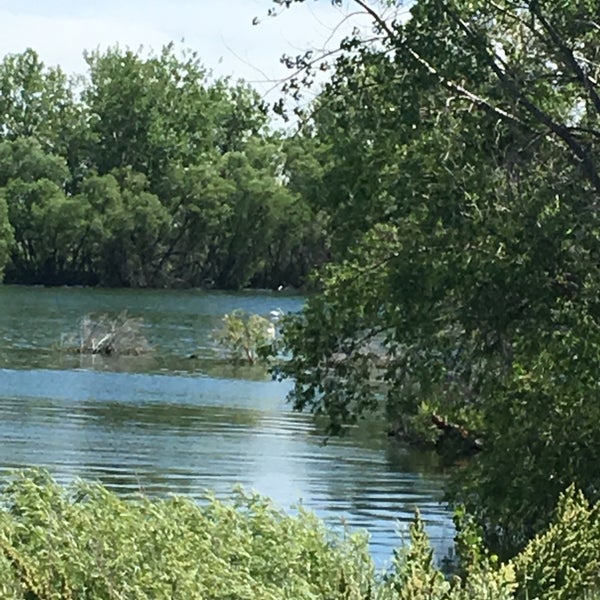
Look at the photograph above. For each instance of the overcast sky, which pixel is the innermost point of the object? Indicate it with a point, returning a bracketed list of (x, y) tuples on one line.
[(221, 31)]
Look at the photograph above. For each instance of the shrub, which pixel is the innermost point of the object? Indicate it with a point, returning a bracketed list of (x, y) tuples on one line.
[(243, 336), (563, 562), (109, 336), (83, 542)]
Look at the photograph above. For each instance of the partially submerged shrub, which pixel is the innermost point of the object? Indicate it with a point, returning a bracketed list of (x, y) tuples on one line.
[(244, 336), (109, 336)]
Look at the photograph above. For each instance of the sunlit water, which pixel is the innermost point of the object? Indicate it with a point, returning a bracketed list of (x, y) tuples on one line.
[(168, 423)]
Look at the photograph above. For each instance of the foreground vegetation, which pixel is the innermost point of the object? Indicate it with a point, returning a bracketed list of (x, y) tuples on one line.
[(83, 542)]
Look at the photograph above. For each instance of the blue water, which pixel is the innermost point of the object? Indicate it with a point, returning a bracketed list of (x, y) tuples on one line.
[(171, 424)]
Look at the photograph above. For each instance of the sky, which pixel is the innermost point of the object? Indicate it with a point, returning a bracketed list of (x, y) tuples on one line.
[(221, 31)]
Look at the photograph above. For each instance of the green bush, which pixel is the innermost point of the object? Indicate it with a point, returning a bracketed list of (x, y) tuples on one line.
[(564, 561), (83, 542), (243, 336)]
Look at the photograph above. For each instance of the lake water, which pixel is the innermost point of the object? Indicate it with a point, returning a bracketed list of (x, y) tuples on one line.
[(167, 423)]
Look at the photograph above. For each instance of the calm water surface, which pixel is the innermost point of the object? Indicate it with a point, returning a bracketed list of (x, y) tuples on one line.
[(167, 423)]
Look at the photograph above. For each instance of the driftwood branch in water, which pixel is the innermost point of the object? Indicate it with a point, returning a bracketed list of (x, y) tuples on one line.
[(456, 436), (109, 336)]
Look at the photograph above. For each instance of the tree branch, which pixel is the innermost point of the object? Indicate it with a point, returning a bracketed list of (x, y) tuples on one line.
[(508, 80), (447, 83), (567, 54)]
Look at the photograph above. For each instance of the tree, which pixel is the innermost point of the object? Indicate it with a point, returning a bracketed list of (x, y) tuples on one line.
[(463, 191), (145, 172), (36, 101), (205, 151), (6, 236), (44, 219), (42, 102), (124, 226), (261, 208)]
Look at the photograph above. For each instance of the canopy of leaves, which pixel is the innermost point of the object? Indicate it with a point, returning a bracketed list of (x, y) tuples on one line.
[(462, 191), (144, 172)]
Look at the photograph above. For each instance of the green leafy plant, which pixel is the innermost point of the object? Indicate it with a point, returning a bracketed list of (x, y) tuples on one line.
[(84, 542), (462, 186), (145, 172), (245, 337)]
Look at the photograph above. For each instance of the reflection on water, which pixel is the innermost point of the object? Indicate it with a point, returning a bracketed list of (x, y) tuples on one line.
[(168, 424)]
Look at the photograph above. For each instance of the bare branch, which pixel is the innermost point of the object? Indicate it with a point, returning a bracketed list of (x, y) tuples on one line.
[(319, 59), (376, 17)]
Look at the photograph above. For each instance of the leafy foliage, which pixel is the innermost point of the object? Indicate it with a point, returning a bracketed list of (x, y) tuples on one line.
[(244, 336), (461, 190), (85, 542), (145, 172), (563, 562)]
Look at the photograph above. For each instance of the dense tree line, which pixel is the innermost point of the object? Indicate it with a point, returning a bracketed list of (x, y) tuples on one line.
[(144, 172), (462, 187)]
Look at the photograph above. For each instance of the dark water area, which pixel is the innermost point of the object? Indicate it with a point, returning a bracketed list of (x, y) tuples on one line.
[(166, 423)]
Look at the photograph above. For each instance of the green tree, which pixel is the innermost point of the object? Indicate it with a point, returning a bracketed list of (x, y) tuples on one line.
[(124, 225), (150, 113), (146, 171), (260, 206), (6, 236), (463, 195), (36, 101), (206, 153), (42, 102), (45, 220)]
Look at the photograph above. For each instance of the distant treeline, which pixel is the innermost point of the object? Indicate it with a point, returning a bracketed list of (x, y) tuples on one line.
[(145, 172)]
